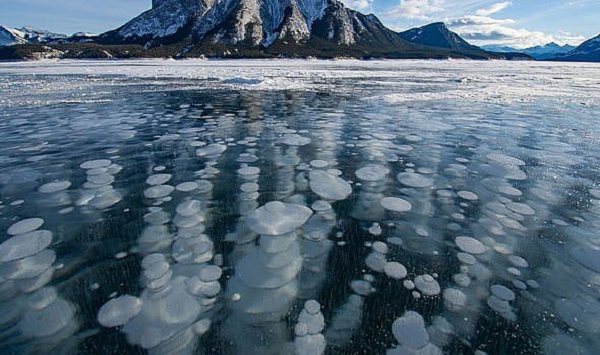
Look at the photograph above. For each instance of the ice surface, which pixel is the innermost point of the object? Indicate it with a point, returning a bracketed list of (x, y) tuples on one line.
[(467, 201)]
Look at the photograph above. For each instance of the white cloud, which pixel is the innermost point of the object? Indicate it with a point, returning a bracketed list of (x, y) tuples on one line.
[(361, 5), (476, 21), (482, 28), (497, 7), (417, 9)]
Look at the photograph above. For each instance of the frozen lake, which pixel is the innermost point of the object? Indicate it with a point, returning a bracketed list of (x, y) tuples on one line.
[(299, 207)]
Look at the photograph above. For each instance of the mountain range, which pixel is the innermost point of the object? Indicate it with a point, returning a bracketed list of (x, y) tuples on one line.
[(546, 51), (251, 28)]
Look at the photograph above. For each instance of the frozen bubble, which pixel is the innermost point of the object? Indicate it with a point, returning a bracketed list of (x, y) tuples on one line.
[(249, 187), (319, 164), (204, 186), (106, 198), (47, 321), (301, 330), (189, 208), (375, 229), (327, 186), (395, 270), (560, 222), (312, 307), (294, 139), (95, 164), (24, 245), (462, 280), (518, 261), (470, 245), (410, 330), (156, 270), (372, 173), (247, 158), (158, 191), (467, 195), (395, 204), (160, 168), (152, 259), (188, 221), (503, 293), (427, 285), (498, 305), (519, 284), (210, 273), (454, 299), (532, 284), (158, 179), (157, 217), (119, 311), (187, 186), (520, 208), (202, 326), (380, 247), (415, 180), (466, 258), (509, 191), (101, 180), (361, 287), (212, 150), (17, 202), (408, 284), (321, 206), (505, 160), (25, 226), (595, 193), (416, 295), (277, 218), (42, 298), (52, 187), (248, 171)]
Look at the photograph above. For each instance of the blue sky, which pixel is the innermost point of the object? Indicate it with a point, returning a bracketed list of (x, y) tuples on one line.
[(518, 23)]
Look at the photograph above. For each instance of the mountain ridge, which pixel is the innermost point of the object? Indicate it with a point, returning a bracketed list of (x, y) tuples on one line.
[(546, 51), (262, 28)]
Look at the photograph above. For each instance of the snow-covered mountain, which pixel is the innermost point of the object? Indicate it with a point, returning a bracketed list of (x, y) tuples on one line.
[(546, 51), (11, 36), (247, 22), (437, 35), (285, 27)]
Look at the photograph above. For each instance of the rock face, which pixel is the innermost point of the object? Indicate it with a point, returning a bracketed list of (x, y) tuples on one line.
[(280, 27), (163, 22), (253, 23)]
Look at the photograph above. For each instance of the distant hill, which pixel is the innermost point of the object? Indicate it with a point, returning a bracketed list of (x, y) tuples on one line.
[(437, 35)]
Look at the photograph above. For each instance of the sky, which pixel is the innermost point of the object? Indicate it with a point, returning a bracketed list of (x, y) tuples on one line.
[(517, 23)]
